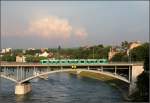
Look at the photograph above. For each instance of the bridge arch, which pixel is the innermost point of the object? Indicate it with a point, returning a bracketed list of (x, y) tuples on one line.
[(8, 78), (78, 71)]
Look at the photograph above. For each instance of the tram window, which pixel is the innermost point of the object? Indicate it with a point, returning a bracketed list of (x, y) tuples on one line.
[(72, 61), (75, 61), (49, 61), (63, 61), (92, 61), (82, 61), (44, 61)]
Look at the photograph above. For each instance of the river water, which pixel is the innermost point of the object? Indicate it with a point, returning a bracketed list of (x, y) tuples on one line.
[(62, 88)]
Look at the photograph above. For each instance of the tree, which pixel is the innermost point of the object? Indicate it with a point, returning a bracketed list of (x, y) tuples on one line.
[(9, 58), (124, 45), (143, 78), (146, 63), (29, 58), (143, 86), (118, 57), (140, 53)]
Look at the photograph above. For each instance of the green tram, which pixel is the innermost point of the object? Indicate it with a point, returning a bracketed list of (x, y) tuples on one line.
[(74, 61)]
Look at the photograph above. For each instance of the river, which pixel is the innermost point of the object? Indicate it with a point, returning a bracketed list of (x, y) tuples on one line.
[(62, 88)]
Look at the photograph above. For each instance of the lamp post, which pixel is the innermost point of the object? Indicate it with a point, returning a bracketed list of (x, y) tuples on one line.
[(129, 56), (93, 52), (59, 52), (59, 47)]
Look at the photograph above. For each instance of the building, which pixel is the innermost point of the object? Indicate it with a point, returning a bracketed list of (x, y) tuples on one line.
[(6, 50), (112, 52), (44, 54), (20, 59), (43, 49), (50, 55), (133, 45), (31, 49)]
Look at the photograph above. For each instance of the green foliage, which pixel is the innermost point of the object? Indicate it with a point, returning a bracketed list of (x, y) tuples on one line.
[(98, 51), (124, 45), (120, 57), (143, 79), (8, 58), (17, 52), (30, 58), (30, 52), (146, 63), (143, 87), (140, 53)]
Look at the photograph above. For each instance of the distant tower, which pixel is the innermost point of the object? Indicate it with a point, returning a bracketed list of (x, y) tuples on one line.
[(59, 48)]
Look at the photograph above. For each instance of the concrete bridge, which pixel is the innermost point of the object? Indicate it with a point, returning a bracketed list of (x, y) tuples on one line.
[(22, 73)]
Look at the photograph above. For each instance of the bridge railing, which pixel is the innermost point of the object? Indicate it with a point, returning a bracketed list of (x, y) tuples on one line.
[(31, 63), (122, 62)]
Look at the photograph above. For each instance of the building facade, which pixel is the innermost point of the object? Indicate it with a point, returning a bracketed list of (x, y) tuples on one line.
[(20, 59)]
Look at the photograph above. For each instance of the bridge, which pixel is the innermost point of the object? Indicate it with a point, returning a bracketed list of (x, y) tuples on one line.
[(22, 73)]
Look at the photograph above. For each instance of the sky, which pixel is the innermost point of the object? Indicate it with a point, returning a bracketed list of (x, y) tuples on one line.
[(47, 24)]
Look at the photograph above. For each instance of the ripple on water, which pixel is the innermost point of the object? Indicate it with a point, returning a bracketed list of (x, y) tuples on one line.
[(62, 88)]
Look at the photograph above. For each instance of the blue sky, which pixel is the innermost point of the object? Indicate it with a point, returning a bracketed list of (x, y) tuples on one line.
[(72, 23)]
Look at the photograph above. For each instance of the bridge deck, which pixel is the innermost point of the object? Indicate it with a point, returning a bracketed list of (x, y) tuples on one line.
[(14, 64)]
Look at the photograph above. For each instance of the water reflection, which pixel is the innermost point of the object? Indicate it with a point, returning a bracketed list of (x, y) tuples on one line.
[(62, 88)]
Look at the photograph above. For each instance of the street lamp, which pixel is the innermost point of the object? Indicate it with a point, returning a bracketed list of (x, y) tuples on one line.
[(93, 52), (129, 56)]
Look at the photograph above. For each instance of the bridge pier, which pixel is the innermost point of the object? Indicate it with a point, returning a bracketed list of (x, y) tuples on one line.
[(22, 88), (135, 71), (79, 71)]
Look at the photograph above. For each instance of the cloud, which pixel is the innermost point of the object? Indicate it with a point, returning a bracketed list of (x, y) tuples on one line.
[(54, 27), (51, 26), (81, 33)]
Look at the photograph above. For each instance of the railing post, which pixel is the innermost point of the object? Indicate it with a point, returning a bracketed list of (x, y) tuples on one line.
[(5, 70), (21, 73), (17, 73), (102, 68), (34, 72), (88, 68), (115, 70), (129, 74), (47, 69)]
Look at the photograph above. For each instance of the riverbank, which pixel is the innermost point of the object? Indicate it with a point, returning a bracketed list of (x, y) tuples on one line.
[(118, 84)]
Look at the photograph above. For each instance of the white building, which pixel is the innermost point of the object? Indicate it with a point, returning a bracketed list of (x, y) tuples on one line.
[(112, 52), (44, 54), (20, 59), (31, 49), (133, 45), (6, 50)]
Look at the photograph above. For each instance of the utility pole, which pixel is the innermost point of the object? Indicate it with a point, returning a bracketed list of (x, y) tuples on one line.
[(59, 48), (130, 56), (93, 52), (58, 57)]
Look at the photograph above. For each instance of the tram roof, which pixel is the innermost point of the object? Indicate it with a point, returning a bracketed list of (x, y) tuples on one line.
[(70, 59)]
